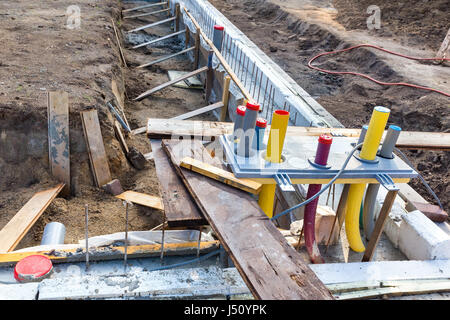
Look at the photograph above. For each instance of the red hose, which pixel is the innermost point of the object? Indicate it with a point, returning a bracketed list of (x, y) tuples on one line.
[(372, 79)]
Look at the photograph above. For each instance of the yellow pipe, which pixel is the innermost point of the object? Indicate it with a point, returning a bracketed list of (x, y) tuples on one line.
[(369, 150), (277, 134)]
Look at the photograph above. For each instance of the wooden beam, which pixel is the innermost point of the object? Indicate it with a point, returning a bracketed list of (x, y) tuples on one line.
[(199, 111), (268, 265), (169, 83), (165, 58), (142, 199), (179, 208), (163, 128), (95, 147), (221, 175), (58, 138), (18, 226), (145, 6), (154, 24), (159, 39)]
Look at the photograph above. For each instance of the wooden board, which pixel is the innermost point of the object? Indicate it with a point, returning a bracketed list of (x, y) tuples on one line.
[(122, 56), (95, 147), (58, 138), (269, 266), (179, 208), (142, 199), (120, 137), (18, 226), (221, 175), (207, 130)]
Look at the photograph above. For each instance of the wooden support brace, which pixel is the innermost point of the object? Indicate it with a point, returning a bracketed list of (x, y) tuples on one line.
[(153, 24), (209, 77), (384, 212), (225, 98), (146, 14), (340, 213), (122, 56), (177, 17), (187, 37), (165, 58), (168, 84), (145, 6)]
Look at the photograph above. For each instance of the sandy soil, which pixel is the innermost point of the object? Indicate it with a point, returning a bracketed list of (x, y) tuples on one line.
[(38, 54), (292, 32)]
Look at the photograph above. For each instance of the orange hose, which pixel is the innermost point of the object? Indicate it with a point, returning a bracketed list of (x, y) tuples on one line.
[(372, 79)]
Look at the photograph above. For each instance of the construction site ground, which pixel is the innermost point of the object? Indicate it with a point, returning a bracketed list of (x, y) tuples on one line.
[(40, 54)]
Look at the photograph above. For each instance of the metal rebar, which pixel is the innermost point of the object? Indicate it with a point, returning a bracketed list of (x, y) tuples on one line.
[(86, 214), (145, 6), (251, 76), (247, 71), (268, 103), (265, 92), (126, 237), (256, 82), (146, 14), (199, 240), (162, 238), (260, 85)]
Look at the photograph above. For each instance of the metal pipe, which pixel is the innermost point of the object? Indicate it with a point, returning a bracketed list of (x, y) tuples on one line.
[(159, 39), (54, 233), (245, 142), (145, 6), (86, 213)]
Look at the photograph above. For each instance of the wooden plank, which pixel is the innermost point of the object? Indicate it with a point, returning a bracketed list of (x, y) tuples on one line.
[(142, 199), (169, 83), (18, 226), (207, 130), (221, 175), (179, 208), (199, 111), (95, 147), (269, 266), (58, 138), (120, 100)]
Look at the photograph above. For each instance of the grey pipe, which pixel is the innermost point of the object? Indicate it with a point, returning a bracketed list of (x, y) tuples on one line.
[(245, 142), (54, 233), (363, 134), (369, 209), (390, 141)]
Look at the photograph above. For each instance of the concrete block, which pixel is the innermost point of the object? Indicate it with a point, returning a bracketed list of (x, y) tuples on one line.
[(113, 187), (22, 291), (421, 239)]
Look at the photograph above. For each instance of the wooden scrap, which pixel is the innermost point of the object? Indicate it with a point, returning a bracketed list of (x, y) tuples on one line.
[(95, 147), (142, 199), (221, 175), (179, 208), (268, 265), (58, 138), (120, 100), (18, 226), (120, 137)]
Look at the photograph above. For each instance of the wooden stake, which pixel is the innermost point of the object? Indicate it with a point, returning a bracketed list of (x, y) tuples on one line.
[(225, 98), (197, 48), (209, 77), (177, 17)]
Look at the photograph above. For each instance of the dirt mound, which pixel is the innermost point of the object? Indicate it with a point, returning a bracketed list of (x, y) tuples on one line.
[(422, 22)]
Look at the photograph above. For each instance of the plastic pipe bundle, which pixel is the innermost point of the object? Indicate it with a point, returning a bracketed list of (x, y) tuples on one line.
[(372, 190), (369, 150), (245, 141), (323, 150), (277, 134)]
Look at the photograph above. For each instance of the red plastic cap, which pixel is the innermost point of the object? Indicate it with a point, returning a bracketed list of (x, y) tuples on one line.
[(240, 110), (217, 27), (325, 139), (261, 123), (32, 268), (282, 112), (252, 106)]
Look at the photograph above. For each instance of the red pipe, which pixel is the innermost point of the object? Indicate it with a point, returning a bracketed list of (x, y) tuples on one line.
[(372, 79)]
